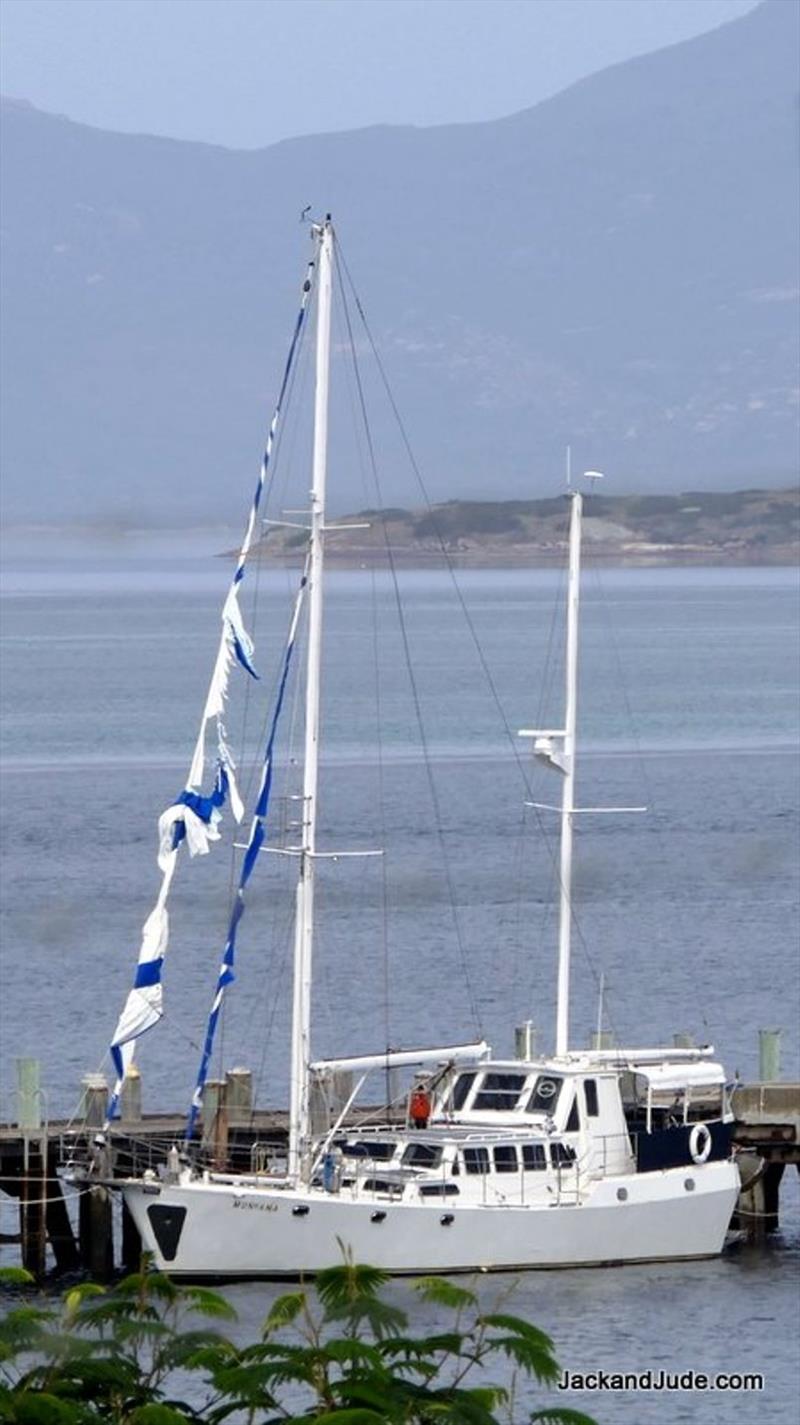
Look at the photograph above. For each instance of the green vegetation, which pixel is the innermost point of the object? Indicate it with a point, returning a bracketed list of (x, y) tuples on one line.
[(698, 526), (463, 517), (341, 1355)]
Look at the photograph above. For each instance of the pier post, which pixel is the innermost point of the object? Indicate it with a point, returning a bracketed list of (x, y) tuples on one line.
[(32, 1180), (759, 1202), (130, 1105), (772, 1183), (525, 1040), (239, 1095), (215, 1121), (31, 1211), (95, 1228), (29, 1095), (94, 1100), (769, 1055), (95, 1217)]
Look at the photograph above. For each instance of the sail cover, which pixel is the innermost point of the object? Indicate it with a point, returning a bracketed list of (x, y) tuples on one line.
[(194, 818)]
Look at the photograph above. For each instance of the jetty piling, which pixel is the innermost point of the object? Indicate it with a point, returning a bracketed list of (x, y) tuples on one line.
[(769, 1055)]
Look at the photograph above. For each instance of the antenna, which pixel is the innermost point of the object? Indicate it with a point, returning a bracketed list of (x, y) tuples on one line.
[(593, 475), (569, 468)]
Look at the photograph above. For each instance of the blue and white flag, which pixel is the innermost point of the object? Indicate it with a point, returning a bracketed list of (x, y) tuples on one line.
[(255, 841), (194, 818)]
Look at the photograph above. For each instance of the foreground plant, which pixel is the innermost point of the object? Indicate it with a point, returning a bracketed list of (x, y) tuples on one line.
[(339, 1355)]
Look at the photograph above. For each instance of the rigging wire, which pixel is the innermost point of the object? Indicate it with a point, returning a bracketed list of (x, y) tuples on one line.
[(432, 788), (384, 857), (376, 666), (551, 850)]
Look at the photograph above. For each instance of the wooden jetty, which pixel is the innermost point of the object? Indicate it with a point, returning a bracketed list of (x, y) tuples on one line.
[(37, 1166), (768, 1137)]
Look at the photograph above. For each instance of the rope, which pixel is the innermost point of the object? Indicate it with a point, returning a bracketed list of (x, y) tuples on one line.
[(45, 1201)]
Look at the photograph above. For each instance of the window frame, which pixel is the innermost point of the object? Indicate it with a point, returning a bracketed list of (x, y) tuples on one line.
[(476, 1155), (550, 1104), (511, 1164), (496, 1091)]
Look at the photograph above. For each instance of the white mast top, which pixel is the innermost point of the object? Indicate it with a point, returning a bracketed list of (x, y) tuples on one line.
[(304, 905)]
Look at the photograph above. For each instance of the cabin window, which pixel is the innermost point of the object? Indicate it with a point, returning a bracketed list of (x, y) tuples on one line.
[(438, 1190), (499, 1092), (476, 1160), (545, 1094), (574, 1122), (461, 1089), (384, 1185), (422, 1155), (533, 1157), (379, 1152), (505, 1158), (563, 1155), (590, 1091)]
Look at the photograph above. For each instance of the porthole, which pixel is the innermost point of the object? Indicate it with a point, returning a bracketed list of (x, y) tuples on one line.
[(689, 1184), (301, 1211), (622, 1194), (446, 1219), (377, 1217)]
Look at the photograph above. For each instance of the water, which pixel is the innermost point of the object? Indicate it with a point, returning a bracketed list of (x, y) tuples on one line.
[(689, 704)]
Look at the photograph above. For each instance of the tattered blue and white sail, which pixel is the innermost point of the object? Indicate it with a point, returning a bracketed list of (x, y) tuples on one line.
[(254, 843), (194, 817)]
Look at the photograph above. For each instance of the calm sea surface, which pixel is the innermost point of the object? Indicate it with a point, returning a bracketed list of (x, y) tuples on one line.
[(689, 705)]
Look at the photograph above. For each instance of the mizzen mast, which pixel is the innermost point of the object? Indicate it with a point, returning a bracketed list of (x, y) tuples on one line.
[(556, 747)]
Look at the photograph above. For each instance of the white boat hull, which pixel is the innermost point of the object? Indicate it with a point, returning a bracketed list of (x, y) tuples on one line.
[(238, 1230)]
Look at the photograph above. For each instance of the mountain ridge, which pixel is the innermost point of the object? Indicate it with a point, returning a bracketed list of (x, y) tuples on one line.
[(614, 267), (16, 101)]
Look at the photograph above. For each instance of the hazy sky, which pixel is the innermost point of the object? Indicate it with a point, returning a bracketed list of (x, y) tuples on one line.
[(249, 72)]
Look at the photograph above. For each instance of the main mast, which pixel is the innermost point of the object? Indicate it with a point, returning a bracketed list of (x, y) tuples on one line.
[(304, 904)]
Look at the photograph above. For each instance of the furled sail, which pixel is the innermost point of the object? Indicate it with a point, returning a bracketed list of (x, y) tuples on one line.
[(194, 817)]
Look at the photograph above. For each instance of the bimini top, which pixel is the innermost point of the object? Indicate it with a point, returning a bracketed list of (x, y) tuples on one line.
[(671, 1078)]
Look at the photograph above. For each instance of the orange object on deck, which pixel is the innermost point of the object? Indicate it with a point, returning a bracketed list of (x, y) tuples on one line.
[(419, 1108)]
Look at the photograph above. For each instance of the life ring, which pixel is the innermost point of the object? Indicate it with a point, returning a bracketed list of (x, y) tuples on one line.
[(700, 1143)]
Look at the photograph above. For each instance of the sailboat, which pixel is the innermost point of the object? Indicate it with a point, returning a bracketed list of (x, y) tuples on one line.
[(579, 1158)]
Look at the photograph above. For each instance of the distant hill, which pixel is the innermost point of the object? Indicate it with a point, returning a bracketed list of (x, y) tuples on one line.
[(616, 267), (697, 527)]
